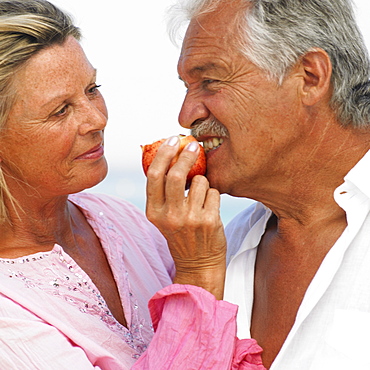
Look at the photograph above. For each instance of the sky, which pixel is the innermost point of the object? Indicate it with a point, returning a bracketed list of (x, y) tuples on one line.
[(127, 41)]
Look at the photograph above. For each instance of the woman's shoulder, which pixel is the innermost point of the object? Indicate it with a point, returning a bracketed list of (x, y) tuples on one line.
[(119, 214), (125, 221), (110, 210), (100, 204)]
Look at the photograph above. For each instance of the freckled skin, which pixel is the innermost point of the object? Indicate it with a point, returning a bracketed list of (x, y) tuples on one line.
[(57, 116), (51, 147)]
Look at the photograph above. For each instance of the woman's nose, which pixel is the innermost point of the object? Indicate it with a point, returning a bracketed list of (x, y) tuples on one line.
[(95, 116)]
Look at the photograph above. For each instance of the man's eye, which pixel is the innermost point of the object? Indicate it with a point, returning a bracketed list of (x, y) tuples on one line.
[(210, 84), (62, 111)]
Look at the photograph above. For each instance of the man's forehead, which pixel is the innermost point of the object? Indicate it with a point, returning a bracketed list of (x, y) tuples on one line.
[(206, 54), (197, 64), (211, 31)]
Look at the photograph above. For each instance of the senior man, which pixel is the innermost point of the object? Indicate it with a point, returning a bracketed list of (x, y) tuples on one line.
[(278, 91)]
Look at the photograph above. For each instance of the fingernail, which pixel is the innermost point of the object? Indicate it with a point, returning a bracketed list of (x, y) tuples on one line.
[(172, 141), (192, 147)]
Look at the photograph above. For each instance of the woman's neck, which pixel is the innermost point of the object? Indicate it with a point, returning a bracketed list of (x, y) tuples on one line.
[(38, 228)]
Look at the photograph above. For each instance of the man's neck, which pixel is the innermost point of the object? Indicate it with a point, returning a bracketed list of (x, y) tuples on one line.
[(304, 188)]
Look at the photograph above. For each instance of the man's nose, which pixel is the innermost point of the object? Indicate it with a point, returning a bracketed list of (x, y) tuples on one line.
[(193, 109)]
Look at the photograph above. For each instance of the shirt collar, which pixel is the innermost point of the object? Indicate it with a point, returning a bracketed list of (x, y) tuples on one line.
[(359, 176), (357, 181), (353, 196)]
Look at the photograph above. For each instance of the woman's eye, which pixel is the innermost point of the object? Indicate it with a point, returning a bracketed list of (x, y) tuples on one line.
[(93, 89)]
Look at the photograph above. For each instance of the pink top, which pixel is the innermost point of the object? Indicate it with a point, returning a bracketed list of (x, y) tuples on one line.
[(52, 315), (194, 331)]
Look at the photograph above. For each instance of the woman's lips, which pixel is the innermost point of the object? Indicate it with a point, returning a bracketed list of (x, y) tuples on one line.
[(93, 153)]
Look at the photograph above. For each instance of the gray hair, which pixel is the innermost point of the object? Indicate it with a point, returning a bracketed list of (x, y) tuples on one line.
[(275, 34), (26, 27)]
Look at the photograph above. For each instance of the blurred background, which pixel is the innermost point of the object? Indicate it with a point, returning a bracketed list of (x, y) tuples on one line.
[(128, 43)]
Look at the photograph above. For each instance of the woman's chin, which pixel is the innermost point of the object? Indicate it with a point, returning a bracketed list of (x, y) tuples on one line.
[(95, 178)]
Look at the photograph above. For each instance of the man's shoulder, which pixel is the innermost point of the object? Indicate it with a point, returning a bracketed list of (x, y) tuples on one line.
[(241, 224), (246, 218)]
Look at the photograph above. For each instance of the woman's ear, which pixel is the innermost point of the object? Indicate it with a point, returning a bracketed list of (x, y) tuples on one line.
[(316, 69)]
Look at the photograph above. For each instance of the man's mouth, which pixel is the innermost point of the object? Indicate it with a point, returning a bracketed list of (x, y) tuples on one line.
[(212, 143)]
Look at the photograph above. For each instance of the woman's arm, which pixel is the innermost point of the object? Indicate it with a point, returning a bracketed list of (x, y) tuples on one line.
[(32, 344), (191, 221), (195, 331), (193, 328)]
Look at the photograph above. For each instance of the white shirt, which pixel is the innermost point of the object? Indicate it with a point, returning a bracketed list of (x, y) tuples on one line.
[(332, 326)]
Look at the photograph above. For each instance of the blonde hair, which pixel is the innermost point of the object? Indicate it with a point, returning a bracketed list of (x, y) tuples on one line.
[(26, 27)]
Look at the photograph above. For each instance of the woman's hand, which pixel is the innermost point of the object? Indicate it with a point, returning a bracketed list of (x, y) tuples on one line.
[(191, 223)]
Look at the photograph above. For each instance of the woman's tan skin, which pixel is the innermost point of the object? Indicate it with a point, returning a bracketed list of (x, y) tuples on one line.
[(52, 146), (190, 222)]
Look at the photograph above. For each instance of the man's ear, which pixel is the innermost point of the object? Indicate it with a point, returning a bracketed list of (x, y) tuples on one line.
[(316, 69)]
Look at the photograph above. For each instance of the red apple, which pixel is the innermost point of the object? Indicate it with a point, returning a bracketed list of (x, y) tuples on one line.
[(150, 150)]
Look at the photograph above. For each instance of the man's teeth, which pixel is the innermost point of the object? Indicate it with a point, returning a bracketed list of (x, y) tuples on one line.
[(213, 143)]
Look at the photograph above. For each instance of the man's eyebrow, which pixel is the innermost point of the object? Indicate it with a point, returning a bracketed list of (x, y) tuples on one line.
[(204, 67), (196, 70)]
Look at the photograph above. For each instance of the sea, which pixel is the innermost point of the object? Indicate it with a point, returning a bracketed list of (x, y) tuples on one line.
[(129, 184)]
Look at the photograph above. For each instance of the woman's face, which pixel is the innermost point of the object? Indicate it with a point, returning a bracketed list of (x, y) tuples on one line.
[(53, 138)]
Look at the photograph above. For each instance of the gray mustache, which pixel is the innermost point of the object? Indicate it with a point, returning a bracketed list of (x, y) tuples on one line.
[(209, 126)]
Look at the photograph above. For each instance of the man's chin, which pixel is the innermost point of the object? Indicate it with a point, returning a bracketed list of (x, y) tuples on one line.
[(216, 183)]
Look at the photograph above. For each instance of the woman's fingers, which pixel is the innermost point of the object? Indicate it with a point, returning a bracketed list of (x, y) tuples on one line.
[(190, 222), (156, 174), (176, 176)]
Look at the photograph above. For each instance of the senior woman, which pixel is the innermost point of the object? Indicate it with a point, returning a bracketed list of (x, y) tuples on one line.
[(77, 270), (76, 273)]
